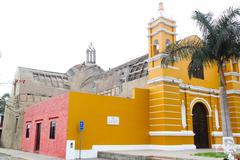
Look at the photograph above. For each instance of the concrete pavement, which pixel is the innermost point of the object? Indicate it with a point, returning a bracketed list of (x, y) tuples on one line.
[(10, 154), (160, 154)]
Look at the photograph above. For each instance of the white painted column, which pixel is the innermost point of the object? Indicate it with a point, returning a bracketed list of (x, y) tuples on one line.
[(91, 57), (184, 119), (94, 57), (87, 56), (216, 118)]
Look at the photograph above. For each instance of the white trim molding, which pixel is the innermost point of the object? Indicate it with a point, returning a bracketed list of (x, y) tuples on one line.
[(164, 79), (232, 91), (164, 98), (172, 125), (159, 22), (171, 133), (199, 88), (220, 134), (161, 30), (167, 67), (233, 81), (161, 17), (220, 146), (166, 118), (232, 74), (201, 100), (156, 57), (199, 93)]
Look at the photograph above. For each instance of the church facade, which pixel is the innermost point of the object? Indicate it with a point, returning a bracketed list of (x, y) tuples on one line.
[(170, 111), (182, 110)]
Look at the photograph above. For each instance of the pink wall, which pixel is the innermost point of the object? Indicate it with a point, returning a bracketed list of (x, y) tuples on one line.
[(55, 109)]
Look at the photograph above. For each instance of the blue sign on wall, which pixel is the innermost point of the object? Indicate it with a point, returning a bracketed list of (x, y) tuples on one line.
[(81, 125)]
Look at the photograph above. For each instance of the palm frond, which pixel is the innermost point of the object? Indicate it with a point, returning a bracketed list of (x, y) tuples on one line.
[(228, 16), (200, 60), (6, 95), (204, 22), (181, 50)]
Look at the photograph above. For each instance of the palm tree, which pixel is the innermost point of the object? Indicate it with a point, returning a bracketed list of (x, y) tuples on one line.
[(3, 101), (220, 43)]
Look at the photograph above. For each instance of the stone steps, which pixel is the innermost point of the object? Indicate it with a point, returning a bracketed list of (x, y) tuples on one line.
[(119, 156)]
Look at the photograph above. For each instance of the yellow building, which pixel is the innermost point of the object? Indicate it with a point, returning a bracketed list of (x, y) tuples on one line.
[(182, 111), (172, 112)]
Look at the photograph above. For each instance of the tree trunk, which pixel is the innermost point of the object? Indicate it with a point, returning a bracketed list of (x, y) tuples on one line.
[(226, 121)]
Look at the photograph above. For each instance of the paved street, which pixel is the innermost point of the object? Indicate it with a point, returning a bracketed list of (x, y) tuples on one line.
[(10, 154), (8, 157), (3, 156)]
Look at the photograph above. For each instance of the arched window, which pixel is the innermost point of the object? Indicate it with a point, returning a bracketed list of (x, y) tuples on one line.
[(168, 42), (156, 47)]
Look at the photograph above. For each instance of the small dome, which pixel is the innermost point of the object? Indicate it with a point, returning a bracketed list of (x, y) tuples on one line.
[(82, 67)]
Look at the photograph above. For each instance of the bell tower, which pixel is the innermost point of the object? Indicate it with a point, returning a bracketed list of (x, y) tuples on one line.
[(161, 32), (167, 126)]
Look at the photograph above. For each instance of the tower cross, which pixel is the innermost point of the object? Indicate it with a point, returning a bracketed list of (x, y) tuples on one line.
[(161, 8)]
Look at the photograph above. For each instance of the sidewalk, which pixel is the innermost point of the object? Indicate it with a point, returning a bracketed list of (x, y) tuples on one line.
[(10, 154), (160, 154), (20, 155)]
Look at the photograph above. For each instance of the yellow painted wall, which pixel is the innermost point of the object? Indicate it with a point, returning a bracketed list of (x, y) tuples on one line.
[(165, 98), (94, 109), (155, 109)]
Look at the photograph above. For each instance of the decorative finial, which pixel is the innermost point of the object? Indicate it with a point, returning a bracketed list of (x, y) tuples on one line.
[(91, 54), (161, 8)]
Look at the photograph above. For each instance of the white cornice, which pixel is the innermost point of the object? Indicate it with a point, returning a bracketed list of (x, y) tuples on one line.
[(171, 133), (172, 67), (232, 91), (199, 93), (220, 134), (161, 17), (233, 81), (157, 67), (198, 88), (156, 57), (164, 22), (231, 74), (210, 91), (164, 79), (161, 30)]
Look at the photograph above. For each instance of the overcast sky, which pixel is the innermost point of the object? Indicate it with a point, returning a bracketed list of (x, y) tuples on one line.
[(54, 34)]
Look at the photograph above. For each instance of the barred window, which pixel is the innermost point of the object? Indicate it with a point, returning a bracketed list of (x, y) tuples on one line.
[(52, 130), (27, 131)]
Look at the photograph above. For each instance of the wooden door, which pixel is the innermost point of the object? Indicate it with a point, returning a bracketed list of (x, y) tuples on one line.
[(38, 136), (200, 126)]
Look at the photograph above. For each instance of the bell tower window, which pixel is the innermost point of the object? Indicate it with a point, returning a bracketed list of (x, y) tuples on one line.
[(168, 42), (156, 47)]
